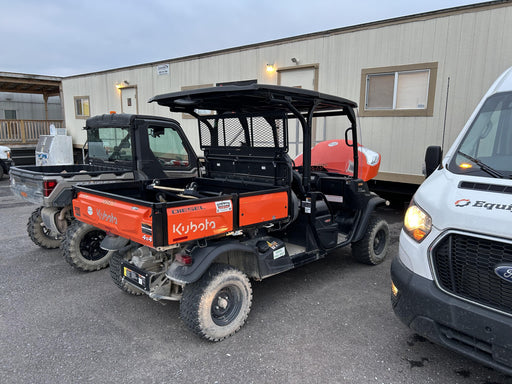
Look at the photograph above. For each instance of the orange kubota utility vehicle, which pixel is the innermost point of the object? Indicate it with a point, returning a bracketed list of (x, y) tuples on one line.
[(249, 214)]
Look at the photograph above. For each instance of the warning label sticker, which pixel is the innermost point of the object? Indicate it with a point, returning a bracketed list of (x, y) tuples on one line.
[(223, 206)]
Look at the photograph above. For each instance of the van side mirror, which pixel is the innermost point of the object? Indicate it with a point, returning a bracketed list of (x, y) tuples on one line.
[(433, 157)]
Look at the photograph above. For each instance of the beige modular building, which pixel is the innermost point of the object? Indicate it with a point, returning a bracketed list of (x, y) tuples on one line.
[(416, 79)]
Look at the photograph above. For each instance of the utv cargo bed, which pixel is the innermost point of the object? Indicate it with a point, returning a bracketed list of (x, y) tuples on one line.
[(168, 214)]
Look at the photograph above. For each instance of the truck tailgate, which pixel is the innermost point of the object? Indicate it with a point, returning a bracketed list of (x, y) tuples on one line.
[(132, 221)]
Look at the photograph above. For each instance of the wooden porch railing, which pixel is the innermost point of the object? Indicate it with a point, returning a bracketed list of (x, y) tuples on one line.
[(25, 131)]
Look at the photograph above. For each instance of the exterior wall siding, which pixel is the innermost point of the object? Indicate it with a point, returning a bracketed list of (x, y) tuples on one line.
[(471, 47)]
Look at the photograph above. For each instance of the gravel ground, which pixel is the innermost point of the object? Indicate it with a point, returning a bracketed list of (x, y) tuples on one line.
[(328, 322)]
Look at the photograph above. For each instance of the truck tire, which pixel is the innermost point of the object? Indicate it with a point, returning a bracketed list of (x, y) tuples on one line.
[(39, 233), (217, 305), (117, 275), (81, 247), (373, 247), (1, 172)]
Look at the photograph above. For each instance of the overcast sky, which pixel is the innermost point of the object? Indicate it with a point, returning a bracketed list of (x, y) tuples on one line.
[(68, 37)]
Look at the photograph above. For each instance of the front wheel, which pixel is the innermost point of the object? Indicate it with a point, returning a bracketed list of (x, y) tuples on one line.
[(81, 247), (217, 305), (373, 247), (39, 233)]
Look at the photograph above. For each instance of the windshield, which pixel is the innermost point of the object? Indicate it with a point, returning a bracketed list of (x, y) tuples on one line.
[(486, 149)]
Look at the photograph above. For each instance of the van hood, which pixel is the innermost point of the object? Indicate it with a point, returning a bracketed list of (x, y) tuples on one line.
[(474, 204)]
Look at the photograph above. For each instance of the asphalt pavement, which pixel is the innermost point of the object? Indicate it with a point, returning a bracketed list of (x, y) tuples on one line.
[(328, 322)]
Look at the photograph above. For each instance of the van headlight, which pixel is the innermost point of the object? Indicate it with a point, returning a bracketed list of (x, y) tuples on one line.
[(417, 223)]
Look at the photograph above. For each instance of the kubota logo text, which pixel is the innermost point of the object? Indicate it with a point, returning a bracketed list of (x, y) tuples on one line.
[(183, 229), (104, 216)]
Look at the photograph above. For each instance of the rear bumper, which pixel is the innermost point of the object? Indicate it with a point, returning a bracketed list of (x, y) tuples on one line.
[(476, 332)]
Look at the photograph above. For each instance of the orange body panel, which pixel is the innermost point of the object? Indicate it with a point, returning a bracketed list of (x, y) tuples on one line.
[(335, 156), (192, 222), (184, 223), (118, 217), (262, 208)]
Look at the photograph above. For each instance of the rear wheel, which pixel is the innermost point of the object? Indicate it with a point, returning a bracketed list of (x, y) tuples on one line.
[(217, 305), (373, 247), (40, 234), (81, 247), (116, 274)]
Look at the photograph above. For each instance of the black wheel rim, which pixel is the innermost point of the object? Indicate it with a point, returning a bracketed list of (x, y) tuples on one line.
[(226, 305), (379, 242), (90, 245)]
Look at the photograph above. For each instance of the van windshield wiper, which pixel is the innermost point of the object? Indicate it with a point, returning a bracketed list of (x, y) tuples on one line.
[(484, 167)]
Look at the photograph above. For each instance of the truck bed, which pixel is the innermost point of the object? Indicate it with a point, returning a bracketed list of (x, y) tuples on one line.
[(32, 182), (163, 216)]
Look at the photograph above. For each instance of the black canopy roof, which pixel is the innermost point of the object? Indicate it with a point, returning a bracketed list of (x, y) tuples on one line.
[(303, 104), (251, 98)]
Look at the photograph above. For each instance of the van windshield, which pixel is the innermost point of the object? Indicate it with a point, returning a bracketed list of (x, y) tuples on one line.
[(486, 149)]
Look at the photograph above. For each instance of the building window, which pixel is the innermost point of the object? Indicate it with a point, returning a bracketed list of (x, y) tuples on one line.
[(10, 114), (82, 107), (398, 91)]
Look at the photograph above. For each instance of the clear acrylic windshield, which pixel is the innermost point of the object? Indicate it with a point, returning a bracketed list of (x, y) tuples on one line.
[(486, 149)]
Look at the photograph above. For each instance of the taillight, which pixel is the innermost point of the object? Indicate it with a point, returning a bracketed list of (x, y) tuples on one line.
[(48, 187), (183, 258)]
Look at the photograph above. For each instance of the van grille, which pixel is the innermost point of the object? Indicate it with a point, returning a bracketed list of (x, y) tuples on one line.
[(464, 266)]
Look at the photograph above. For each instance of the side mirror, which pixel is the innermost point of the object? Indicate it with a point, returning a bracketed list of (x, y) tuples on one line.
[(433, 158)]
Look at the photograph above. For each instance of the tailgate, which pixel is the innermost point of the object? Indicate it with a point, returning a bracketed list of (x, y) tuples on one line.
[(27, 185), (128, 220), (170, 223)]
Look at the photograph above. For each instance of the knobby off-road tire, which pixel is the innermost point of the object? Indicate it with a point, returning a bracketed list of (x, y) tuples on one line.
[(373, 247), (39, 233), (116, 274), (81, 247), (217, 305)]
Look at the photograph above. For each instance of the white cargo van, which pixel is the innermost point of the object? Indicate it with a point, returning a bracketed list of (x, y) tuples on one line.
[(452, 279)]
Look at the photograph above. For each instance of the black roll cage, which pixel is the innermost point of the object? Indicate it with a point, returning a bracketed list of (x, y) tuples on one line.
[(261, 99)]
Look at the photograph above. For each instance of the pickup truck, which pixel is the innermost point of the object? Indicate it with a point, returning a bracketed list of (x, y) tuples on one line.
[(119, 147), (251, 214)]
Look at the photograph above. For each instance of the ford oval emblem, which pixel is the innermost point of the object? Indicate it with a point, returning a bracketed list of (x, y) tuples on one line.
[(504, 272)]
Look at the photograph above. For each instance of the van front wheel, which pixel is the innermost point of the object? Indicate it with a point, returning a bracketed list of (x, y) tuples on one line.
[(373, 247)]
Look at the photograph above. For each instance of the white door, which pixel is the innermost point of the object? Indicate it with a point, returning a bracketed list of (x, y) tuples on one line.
[(301, 77), (129, 100)]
